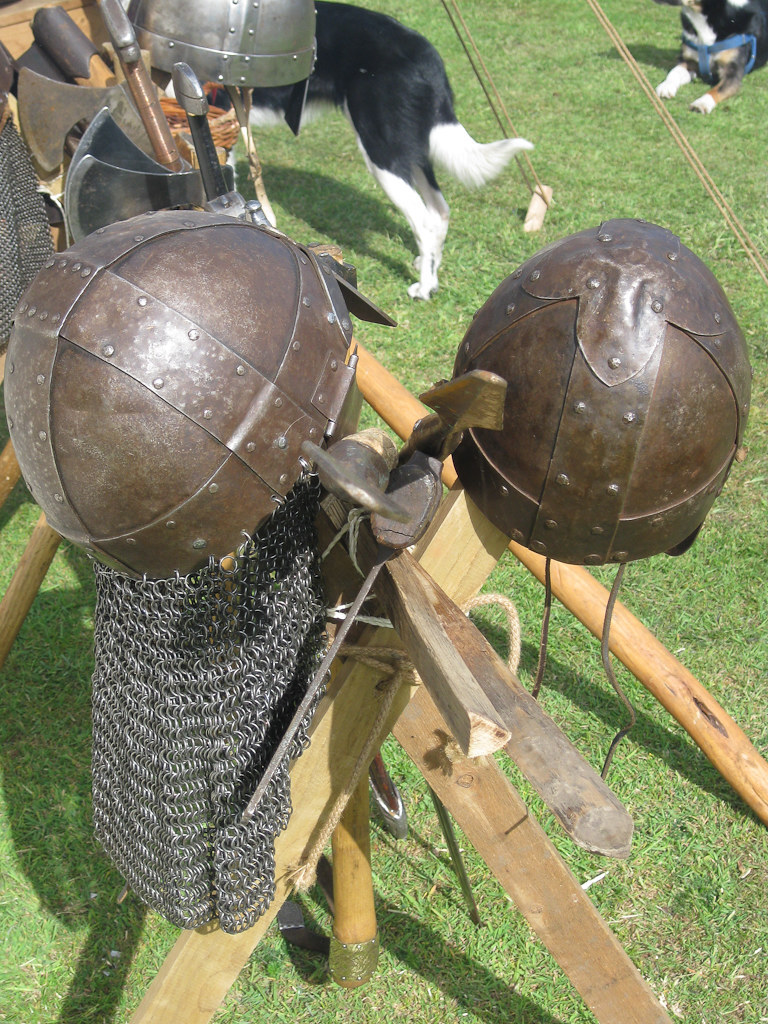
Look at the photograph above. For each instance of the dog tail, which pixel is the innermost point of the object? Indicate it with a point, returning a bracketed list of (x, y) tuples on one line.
[(472, 163)]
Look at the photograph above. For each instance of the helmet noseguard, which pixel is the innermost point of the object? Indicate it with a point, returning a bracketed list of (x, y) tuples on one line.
[(628, 394), (162, 375), (230, 43)]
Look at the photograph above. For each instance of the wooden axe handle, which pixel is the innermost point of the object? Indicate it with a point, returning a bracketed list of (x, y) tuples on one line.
[(709, 725), (355, 945)]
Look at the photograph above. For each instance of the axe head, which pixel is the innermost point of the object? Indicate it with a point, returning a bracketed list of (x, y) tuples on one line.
[(49, 110), (110, 179)]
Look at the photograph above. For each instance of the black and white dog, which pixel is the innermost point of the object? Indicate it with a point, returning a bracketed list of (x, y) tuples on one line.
[(392, 85), (723, 40)]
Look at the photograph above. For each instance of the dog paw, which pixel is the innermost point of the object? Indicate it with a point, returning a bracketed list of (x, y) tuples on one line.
[(704, 104), (419, 291), (664, 92)]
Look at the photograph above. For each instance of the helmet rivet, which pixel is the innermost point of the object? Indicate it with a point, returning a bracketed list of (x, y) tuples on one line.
[(44, 315), (321, 398), (171, 524), (518, 272), (250, 447), (278, 402), (306, 301), (43, 436), (562, 480), (510, 309), (550, 524), (614, 362), (580, 408), (283, 478), (672, 256), (207, 414), (334, 364), (535, 275), (296, 346), (142, 300), (76, 267), (40, 378), (282, 442), (620, 556), (605, 238), (12, 367), (613, 489), (718, 318), (657, 305), (345, 325), (593, 559), (130, 540), (31, 311), (313, 431), (593, 283), (213, 488), (597, 531), (518, 536), (107, 350), (504, 490), (85, 272), (539, 545), (158, 382), (198, 544), (331, 318), (240, 370), (138, 238), (59, 498), (629, 417), (193, 335)]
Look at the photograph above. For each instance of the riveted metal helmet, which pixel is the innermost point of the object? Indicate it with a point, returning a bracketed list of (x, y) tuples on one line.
[(161, 377), (628, 393), (242, 43)]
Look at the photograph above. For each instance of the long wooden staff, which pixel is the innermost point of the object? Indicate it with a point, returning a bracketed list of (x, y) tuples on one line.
[(708, 724)]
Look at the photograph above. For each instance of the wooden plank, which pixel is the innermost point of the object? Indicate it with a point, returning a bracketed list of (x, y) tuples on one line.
[(496, 821)]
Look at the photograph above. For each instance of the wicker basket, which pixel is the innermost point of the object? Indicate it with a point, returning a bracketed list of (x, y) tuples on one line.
[(223, 123)]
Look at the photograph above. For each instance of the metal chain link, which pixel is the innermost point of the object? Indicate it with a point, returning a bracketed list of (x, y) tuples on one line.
[(196, 680)]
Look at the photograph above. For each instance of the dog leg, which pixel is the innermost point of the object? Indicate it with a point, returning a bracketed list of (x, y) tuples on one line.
[(680, 74), (429, 225), (729, 65)]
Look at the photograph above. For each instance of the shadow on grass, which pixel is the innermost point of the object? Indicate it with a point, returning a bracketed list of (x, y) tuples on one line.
[(460, 978), (45, 750), (337, 212)]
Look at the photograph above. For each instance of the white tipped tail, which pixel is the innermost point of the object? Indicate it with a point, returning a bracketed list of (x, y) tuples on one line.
[(472, 163)]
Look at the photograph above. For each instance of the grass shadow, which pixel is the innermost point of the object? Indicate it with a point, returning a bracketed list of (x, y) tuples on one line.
[(336, 212), (45, 749)]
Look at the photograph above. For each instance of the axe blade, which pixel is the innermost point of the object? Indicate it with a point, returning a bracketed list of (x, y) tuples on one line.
[(110, 179), (49, 110)]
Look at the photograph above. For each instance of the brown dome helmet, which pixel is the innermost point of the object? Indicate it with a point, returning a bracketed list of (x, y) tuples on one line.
[(628, 393), (162, 375)]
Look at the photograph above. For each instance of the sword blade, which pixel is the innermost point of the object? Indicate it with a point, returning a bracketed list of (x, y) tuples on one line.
[(316, 682)]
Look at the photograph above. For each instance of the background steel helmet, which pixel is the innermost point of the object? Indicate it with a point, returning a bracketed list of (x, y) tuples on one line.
[(161, 377), (231, 42), (628, 394)]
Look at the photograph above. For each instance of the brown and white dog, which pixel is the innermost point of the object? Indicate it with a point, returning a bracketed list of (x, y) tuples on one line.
[(723, 40)]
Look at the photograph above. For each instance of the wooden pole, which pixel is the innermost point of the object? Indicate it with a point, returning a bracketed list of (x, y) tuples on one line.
[(722, 741), (355, 943), (9, 471), (30, 573)]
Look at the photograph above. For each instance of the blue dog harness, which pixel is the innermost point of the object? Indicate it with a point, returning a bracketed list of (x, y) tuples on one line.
[(731, 43)]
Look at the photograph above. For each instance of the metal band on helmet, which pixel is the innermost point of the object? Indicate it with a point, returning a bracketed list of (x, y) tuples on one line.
[(241, 44), (162, 375), (628, 393)]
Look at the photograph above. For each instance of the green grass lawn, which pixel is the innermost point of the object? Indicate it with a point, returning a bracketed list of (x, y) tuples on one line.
[(690, 904)]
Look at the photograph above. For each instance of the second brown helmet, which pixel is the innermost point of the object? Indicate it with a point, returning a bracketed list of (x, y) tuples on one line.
[(628, 393)]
